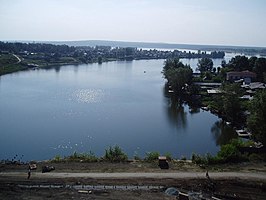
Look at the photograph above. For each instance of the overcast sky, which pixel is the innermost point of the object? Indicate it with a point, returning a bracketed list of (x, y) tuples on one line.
[(223, 22)]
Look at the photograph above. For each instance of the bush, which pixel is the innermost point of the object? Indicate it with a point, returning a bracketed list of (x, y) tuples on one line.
[(84, 157), (136, 157), (198, 159), (168, 156), (57, 158), (211, 159), (228, 153), (115, 154), (152, 156)]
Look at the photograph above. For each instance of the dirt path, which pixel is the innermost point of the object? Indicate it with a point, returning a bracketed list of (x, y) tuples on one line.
[(236, 185), (19, 60), (166, 175)]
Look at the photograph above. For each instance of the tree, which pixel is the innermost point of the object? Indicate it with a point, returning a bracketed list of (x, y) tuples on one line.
[(205, 64), (239, 63), (224, 70), (260, 69), (177, 74), (257, 118), (223, 63), (218, 69), (231, 101), (207, 75), (252, 61), (100, 59)]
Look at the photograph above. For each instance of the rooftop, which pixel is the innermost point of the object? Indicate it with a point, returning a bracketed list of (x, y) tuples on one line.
[(243, 73)]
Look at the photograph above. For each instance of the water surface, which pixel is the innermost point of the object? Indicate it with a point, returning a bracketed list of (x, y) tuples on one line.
[(90, 107)]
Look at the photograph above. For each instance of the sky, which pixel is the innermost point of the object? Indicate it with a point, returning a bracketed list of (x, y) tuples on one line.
[(214, 22)]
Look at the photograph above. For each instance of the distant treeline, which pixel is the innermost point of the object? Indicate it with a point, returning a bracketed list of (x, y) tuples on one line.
[(17, 47), (102, 53), (233, 49)]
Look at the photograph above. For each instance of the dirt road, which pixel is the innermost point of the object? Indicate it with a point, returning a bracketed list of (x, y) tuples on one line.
[(166, 175), (18, 58), (244, 181)]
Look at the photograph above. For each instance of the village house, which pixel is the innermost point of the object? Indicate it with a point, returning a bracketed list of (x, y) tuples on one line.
[(253, 87), (246, 76)]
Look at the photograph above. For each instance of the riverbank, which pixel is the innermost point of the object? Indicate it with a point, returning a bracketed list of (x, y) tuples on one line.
[(10, 63), (237, 181), (21, 56), (135, 166)]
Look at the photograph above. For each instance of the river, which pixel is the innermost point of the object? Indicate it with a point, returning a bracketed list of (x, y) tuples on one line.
[(57, 111)]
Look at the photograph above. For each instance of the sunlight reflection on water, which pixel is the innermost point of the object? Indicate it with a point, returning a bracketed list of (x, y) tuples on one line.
[(89, 95)]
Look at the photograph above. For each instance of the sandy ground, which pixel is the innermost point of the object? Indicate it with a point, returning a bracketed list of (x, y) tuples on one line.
[(242, 181)]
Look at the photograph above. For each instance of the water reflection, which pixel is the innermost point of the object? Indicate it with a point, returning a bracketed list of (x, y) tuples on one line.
[(222, 132), (194, 110), (49, 68), (175, 110), (76, 68), (57, 69)]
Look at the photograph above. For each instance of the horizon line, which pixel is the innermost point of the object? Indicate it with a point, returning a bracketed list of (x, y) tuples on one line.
[(139, 42)]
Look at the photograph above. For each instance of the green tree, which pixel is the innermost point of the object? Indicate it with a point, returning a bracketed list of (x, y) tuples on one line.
[(208, 75), (260, 69), (170, 64), (239, 63), (231, 101), (205, 65), (223, 63), (252, 61), (100, 59), (218, 70), (178, 75), (224, 70), (257, 118)]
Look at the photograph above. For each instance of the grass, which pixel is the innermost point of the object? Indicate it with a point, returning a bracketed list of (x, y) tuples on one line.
[(12, 68), (7, 59), (8, 62)]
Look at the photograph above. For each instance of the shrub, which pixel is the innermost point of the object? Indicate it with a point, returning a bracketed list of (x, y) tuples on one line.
[(197, 159), (57, 158), (168, 156), (115, 154), (152, 156), (228, 153), (136, 157), (209, 159), (84, 157)]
